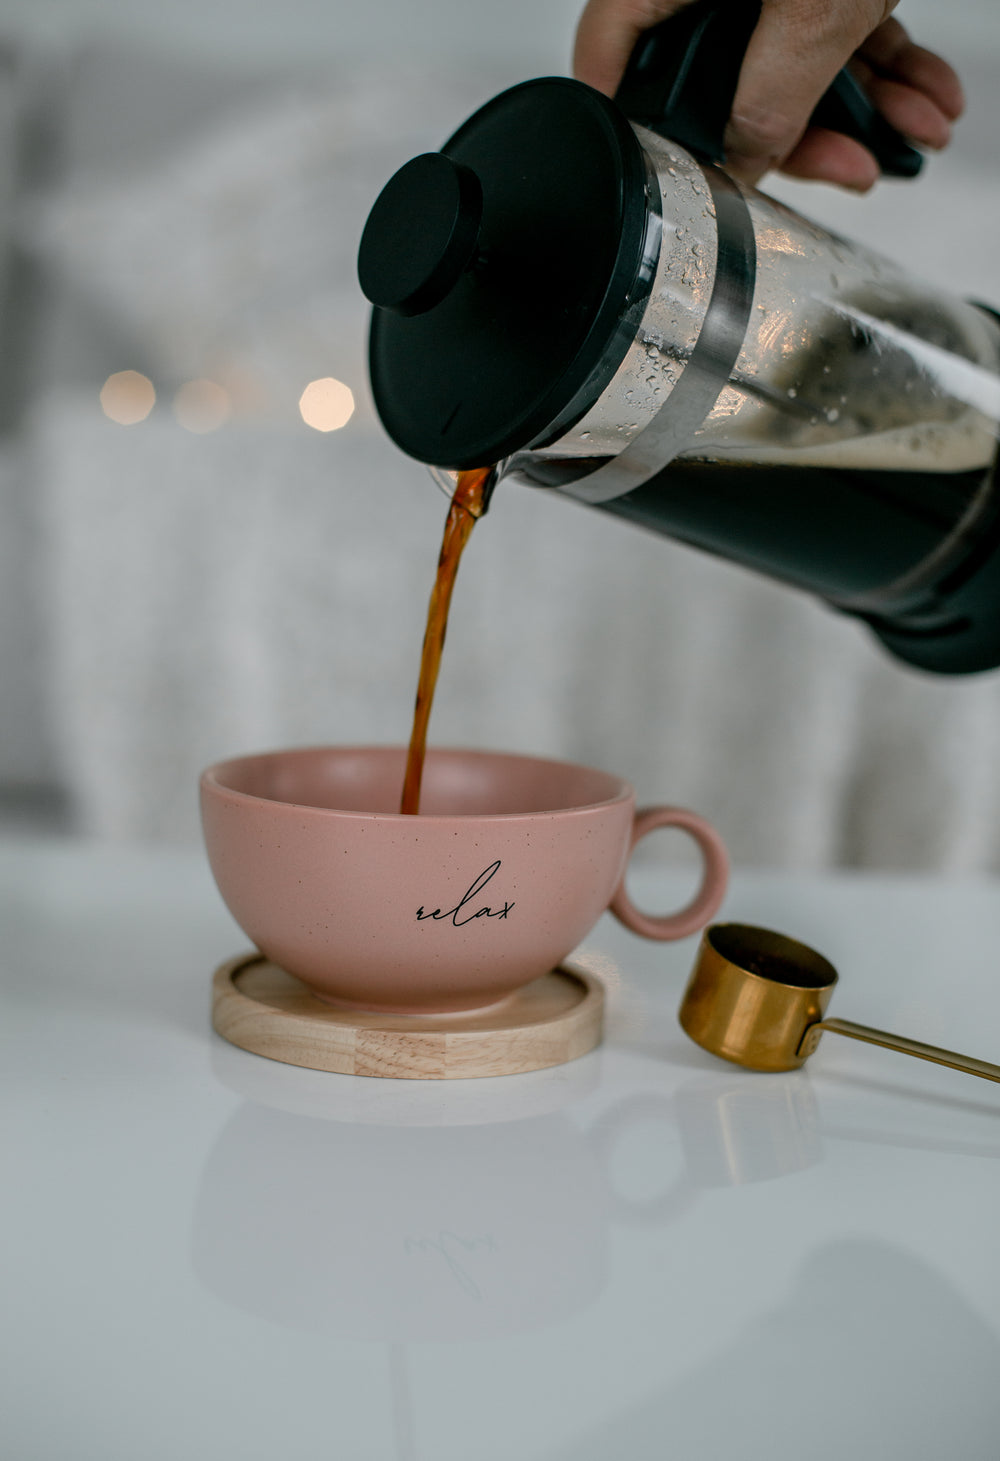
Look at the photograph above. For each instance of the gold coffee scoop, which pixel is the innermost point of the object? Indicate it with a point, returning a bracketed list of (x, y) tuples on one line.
[(758, 998)]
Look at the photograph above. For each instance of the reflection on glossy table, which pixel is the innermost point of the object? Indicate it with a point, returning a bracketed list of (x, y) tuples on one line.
[(645, 1254)]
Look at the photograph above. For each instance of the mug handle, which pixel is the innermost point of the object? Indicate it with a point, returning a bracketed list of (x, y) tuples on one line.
[(713, 884)]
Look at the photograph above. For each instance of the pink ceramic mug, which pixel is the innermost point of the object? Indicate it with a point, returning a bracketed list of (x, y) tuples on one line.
[(508, 867)]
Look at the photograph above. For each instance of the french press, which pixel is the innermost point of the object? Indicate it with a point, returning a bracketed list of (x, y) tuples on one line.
[(573, 289)]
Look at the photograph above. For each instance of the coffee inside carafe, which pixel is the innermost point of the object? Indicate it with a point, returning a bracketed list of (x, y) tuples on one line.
[(849, 451)]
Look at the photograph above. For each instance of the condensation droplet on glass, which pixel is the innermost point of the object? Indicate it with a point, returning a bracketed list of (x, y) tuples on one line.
[(826, 370), (792, 392), (584, 435), (833, 415)]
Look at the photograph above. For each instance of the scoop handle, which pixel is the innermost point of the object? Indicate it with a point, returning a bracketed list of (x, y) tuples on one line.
[(971, 1066)]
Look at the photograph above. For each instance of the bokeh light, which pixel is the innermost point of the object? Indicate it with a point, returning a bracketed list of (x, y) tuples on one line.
[(127, 397), (202, 406), (326, 404)]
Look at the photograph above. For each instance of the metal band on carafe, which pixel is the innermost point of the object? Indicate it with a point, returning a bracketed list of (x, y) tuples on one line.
[(709, 366)]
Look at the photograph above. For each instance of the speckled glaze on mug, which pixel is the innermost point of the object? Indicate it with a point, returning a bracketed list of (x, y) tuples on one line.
[(507, 868)]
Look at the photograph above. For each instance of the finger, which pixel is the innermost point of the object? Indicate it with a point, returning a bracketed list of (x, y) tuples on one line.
[(891, 52), (794, 53), (606, 37), (910, 112), (830, 157)]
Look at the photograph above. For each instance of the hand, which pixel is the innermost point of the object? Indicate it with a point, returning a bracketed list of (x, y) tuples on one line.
[(794, 53)]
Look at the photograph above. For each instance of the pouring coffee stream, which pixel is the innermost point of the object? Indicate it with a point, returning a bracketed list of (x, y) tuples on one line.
[(574, 289), (469, 502)]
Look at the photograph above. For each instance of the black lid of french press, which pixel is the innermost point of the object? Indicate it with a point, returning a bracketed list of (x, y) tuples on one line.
[(500, 270)]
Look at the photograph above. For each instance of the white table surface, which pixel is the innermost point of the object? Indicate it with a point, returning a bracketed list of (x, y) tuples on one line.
[(645, 1254)]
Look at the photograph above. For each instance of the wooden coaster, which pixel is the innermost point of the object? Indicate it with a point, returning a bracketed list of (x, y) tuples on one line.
[(259, 1007)]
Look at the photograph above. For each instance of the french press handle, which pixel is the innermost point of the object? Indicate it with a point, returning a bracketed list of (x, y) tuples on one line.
[(681, 81)]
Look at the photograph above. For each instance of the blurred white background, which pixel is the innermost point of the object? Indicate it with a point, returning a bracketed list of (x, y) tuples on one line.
[(182, 192)]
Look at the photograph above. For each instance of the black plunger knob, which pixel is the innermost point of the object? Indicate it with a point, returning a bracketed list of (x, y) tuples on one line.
[(421, 234)]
